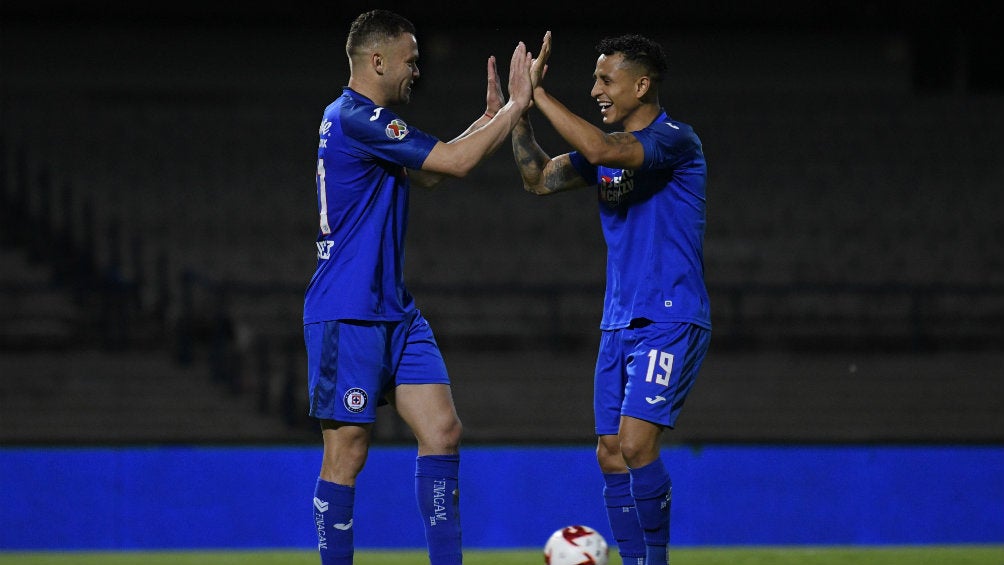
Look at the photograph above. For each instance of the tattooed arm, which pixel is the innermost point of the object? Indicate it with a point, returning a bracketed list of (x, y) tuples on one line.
[(542, 174)]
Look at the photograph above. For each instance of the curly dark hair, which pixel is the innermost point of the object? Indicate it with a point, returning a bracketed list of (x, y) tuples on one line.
[(639, 50), (376, 25)]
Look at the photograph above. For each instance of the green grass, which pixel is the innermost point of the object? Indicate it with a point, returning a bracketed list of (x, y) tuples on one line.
[(911, 555)]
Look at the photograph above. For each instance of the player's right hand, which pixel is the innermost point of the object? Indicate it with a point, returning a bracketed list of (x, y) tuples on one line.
[(520, 89)]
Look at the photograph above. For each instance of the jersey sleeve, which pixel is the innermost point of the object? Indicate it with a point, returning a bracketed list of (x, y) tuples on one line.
[(381, 133), (584, 167), (667, 145)]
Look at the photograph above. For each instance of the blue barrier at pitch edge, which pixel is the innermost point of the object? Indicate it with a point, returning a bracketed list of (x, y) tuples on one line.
[(254, 497)]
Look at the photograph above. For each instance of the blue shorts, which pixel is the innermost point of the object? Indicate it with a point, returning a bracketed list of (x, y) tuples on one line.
[(352, 364), (646, 372)]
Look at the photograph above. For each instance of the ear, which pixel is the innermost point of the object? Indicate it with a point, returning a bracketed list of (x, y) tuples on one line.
[(642, 86), (377, 61)]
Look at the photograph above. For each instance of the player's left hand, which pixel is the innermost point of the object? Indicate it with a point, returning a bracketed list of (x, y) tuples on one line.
[(495, 98), (539, 66)]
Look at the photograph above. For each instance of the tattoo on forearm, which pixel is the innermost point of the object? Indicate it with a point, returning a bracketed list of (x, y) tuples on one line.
[(530, 158), (560, 175)]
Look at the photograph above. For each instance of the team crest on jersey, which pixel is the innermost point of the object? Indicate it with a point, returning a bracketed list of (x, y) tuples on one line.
[(355, 400), (396, 129)]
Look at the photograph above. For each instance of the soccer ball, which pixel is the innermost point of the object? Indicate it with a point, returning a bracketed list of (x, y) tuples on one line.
[(576, 545)]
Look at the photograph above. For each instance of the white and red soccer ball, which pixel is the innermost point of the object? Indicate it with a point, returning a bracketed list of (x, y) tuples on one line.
[(576, 545)]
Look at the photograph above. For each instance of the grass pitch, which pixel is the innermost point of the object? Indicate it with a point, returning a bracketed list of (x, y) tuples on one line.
[(911, 555)]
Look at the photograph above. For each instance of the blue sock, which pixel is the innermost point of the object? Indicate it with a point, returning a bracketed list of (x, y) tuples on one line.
[(438, 494), (652, 490), (333, 505), (624, 518)]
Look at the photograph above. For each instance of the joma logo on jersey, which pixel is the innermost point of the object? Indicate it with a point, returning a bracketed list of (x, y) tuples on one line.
[(324, 249), (396, 129)]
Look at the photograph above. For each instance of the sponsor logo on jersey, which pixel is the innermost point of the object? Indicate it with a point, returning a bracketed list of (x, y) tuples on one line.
[(376, 114), (614, 190), (355, 400), (396, 129), (323, 131)]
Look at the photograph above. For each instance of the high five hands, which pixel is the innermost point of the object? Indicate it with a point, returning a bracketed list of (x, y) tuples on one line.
[(522, 65), (538, 68)]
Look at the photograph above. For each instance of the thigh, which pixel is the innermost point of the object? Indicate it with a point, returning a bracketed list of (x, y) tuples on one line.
[(609, 381), (431, 415), (347, 369), (417, 358), (422, 393), (662, 364)]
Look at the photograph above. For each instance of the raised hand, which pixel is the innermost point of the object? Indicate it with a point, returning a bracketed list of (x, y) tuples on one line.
[(520, 89), (539, 66), (495, 98)]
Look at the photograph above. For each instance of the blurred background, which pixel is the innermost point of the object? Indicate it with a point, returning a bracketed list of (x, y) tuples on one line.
[(157, 219)]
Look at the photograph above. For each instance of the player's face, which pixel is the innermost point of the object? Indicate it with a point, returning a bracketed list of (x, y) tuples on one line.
[(401, 69), (615, 88)]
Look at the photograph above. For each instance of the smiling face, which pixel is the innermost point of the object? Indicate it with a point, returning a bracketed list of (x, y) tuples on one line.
[(618, 88), (399, 68)]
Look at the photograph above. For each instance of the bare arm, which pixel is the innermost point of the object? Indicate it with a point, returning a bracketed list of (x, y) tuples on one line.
[(542, 174), (494, 100), (458, 157), (619, 150)]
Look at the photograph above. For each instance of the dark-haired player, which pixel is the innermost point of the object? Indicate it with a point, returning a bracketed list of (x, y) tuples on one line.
[(656, 326)]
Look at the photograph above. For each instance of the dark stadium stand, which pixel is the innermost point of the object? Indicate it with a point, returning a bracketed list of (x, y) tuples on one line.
[(852, 247)]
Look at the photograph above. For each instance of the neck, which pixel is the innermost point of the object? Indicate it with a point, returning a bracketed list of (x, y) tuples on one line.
[(642, 117), (368, 90)]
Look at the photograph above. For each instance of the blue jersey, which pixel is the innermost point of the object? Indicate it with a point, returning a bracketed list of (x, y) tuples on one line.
[(362, 198), (653, 221)]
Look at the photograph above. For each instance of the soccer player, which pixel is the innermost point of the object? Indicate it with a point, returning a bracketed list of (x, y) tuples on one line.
[(366, 340), (656, 325)]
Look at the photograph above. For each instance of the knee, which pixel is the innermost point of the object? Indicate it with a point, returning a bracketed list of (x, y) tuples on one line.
[(608, 455), (638, 453), (451, 434), (441, 438), (345, 453)]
